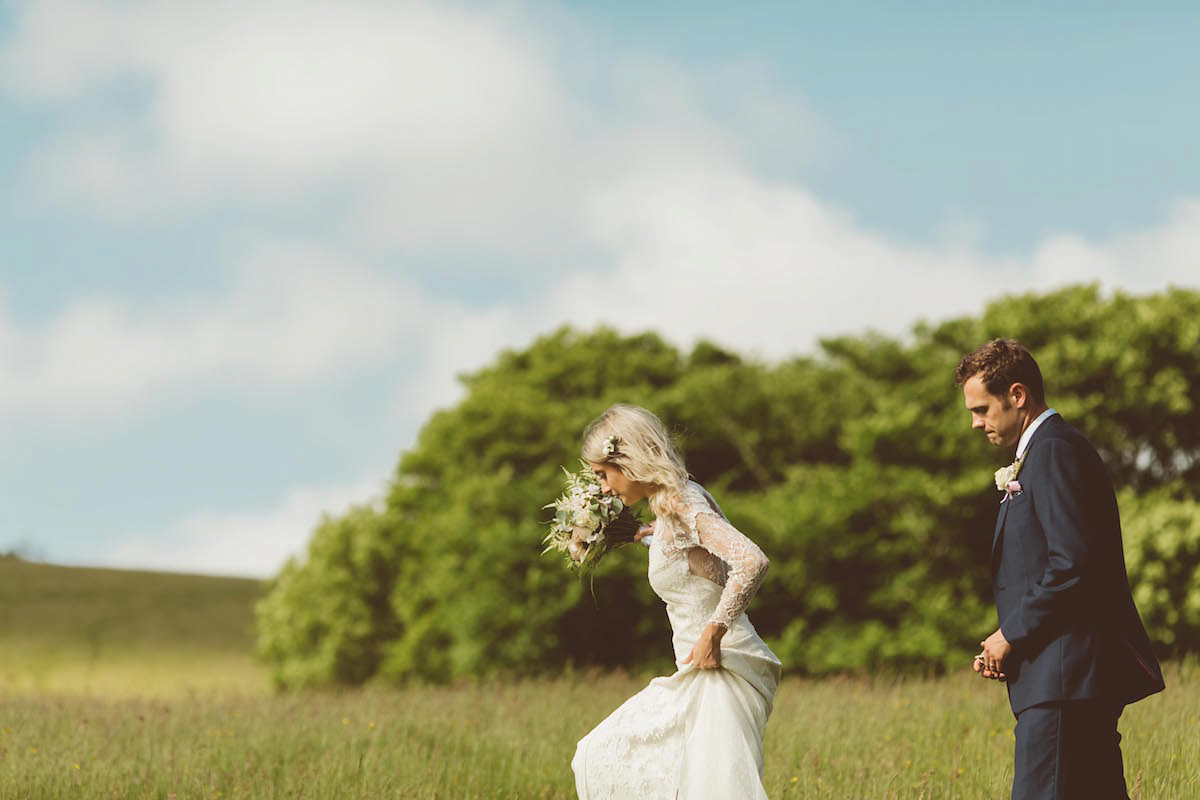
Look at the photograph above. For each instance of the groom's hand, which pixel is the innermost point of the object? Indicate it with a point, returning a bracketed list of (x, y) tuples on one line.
[(984, 672), (995, 650)]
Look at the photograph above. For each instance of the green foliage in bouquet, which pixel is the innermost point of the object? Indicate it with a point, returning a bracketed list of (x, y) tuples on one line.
[(854, 469), (587, 522)]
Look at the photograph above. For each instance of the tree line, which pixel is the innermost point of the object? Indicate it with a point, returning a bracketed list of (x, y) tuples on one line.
[(854, 468)]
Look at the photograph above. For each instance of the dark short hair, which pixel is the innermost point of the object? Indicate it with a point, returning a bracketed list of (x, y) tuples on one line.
[(1000, 363)]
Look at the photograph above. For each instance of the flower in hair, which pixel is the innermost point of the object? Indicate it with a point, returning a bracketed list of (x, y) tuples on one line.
[(610, 446)]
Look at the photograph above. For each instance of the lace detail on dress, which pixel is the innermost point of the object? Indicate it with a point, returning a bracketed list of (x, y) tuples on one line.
[(718, 552), (625, 757), (698, 733)]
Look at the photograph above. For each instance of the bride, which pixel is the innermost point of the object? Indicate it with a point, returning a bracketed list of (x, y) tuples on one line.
[(697, 733)]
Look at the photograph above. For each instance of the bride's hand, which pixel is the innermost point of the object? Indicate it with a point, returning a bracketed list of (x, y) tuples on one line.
[(577, 545), (643, 532), (706, 652)]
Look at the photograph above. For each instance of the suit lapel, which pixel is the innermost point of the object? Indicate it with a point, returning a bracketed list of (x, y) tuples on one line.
[(1054, 419), (999, 527)]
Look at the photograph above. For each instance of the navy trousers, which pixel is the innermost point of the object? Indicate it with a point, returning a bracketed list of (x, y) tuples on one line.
[(1069, 751)]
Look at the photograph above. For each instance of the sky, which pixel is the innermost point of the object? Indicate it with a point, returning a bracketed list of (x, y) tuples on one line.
[(246, 247)]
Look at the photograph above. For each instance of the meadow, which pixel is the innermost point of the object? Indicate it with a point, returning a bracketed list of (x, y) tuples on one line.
[(141, 685)]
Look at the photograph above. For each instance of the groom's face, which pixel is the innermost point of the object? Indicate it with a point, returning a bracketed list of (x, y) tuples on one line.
[(998, 417)]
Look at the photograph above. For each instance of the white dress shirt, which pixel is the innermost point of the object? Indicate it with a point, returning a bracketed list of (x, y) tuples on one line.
[(1023, 445)]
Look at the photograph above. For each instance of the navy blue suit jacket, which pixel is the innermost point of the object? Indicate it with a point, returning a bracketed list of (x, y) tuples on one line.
[(1062, 593)]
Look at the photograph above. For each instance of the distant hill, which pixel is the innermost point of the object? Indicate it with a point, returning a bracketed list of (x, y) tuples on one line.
[(80, 622)]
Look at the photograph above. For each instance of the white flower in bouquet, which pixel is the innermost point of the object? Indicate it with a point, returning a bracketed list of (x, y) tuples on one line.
[(588, 523), (586, 518)]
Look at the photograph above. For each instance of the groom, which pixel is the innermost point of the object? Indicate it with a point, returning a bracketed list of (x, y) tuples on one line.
[(1070, 643)]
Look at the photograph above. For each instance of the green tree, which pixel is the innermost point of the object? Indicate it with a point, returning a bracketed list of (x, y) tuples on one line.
[(326, 619), (855, 469)]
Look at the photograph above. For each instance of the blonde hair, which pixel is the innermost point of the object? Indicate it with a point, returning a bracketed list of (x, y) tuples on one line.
[(635, 441)]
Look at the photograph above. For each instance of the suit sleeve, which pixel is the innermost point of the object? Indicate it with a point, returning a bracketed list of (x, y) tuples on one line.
[(1060, 508)]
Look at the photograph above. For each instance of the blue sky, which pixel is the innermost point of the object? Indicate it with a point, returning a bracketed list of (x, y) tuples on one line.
[(244, 254)]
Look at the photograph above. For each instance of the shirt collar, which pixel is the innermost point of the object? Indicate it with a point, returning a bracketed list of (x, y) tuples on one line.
[(1023, 445)]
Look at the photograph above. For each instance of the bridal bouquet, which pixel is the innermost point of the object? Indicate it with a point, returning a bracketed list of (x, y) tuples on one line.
[(588, 523)]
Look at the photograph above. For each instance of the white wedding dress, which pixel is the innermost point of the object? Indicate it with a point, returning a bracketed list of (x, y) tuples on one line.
[(698, 733)]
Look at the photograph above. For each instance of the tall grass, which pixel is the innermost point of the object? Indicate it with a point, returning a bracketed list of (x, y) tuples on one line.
[(944, 738), (141, 685)]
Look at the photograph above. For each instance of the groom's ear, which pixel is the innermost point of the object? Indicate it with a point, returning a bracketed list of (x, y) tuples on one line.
[(1019, 394)]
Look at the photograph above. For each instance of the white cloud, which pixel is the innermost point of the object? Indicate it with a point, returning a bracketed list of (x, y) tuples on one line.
[(294, 314), (1139, 261), (711, 250), (697, 247), (449, 124), (442, 125), (455, 127), (446, 128), (718, 254), (251, 543), (462, 340), (778, 132), (57, 49)]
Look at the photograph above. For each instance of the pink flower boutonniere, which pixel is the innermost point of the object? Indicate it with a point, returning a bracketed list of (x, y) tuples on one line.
[(1006, 479)]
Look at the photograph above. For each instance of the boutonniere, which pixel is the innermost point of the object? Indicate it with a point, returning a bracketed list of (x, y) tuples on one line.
[(1006, 479)]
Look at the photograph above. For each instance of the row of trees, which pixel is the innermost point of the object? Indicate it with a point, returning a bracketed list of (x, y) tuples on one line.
[(854, 469)]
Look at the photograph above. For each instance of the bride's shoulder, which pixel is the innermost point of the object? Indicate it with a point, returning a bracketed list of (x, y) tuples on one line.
[(683, 501), (697, 499), (691, 493)]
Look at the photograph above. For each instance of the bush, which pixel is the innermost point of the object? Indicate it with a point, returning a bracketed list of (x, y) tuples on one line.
[(1162, 550), (855, 470)]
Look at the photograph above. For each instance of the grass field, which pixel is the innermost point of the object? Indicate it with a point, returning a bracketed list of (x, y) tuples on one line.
[(74, 629), (187, 715)]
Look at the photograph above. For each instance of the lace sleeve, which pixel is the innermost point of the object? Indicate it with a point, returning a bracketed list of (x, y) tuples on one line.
[(747, 563)]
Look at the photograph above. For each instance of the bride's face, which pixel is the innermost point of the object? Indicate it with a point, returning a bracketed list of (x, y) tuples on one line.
[(613, 481)]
